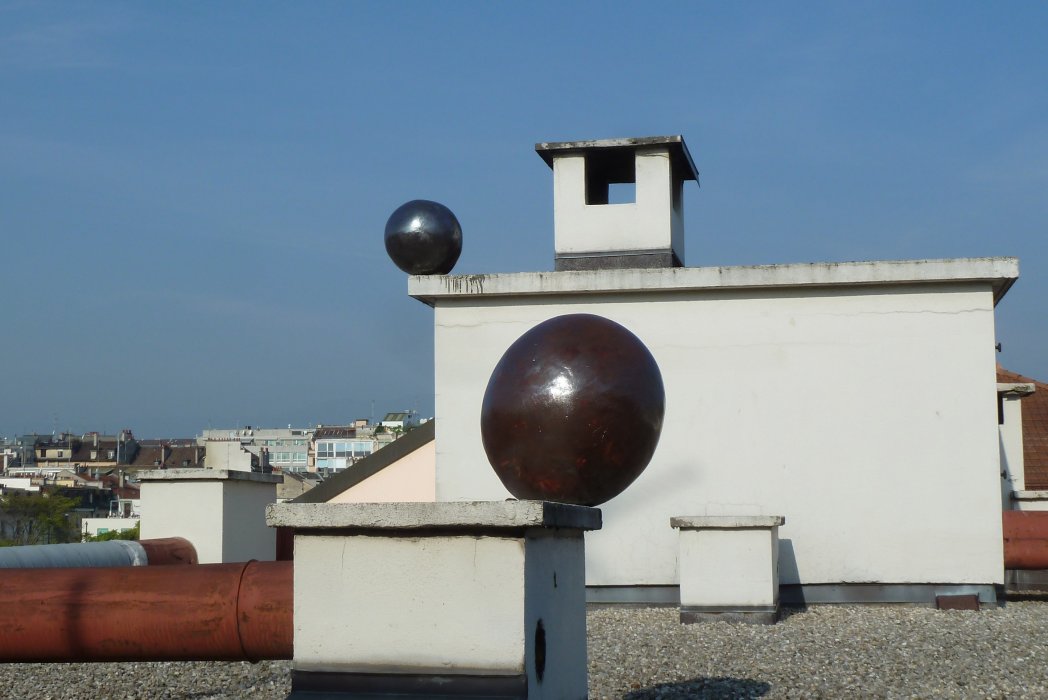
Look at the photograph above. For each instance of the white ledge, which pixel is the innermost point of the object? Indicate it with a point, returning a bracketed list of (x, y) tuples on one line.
[(419, 516), (1000, 273), (1030, 495), (1018, 388), (209, 475), (727, 522)]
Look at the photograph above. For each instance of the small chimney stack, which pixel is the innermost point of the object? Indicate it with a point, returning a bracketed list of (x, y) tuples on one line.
[(592, 233)]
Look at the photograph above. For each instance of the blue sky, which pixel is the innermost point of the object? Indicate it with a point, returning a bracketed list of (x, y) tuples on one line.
[(192, 195)]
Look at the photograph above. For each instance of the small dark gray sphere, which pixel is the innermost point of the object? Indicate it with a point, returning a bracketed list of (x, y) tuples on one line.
[(423, 238)]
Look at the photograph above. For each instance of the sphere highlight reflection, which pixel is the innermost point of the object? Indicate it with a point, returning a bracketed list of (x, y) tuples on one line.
[(573, 411)]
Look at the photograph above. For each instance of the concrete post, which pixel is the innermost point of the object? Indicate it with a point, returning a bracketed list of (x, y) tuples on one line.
[(222, 512), (729, 568), (422, 600)]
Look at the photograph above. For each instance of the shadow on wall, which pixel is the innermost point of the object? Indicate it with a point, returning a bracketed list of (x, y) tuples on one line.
[(704, 688), (787, 563)]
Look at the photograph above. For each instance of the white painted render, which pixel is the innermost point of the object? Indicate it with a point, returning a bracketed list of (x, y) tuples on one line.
[(652, 222), (410, 608), (855, 399), (411, 478), (442, 588), (1011, 439), (728, 562), (227, 454), (223, 513)]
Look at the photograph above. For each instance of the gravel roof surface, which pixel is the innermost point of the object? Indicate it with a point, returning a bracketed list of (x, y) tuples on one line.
[(826, 651)]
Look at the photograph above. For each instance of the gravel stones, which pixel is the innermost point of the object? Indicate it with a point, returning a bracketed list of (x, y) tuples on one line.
[(825, 651), (645, 653)]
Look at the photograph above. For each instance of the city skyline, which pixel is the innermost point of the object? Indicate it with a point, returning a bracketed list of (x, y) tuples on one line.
[(192, 197)]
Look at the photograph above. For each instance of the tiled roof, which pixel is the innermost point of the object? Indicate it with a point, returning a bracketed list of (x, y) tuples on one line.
[(1035, 430)]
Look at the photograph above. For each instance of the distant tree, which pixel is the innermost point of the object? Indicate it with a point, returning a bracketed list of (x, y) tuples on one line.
[(35, 518), (131, 534)]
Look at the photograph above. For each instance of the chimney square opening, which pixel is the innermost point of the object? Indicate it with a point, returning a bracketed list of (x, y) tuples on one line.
[(611, 177)]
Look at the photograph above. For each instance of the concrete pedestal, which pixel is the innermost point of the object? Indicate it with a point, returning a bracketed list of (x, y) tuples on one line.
[(222, 512), (414, 600), (729, 568)]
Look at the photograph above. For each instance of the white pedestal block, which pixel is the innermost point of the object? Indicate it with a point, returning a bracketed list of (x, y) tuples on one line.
[(729, 568), (414, 600), (222, 512)]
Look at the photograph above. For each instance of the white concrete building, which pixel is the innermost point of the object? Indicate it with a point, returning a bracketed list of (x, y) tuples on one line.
[(857, 400), (250, 448)]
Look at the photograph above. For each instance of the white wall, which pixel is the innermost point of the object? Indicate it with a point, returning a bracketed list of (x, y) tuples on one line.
[(227, 454), (865, 415), (1011, 446), (221, 512), (411, 478), (189, 509), (649, 223)]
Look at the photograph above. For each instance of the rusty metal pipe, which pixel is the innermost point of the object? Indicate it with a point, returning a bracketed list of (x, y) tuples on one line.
[(208, 612), (1025, 524), (168, 551), (1025, 539), (1026, 554)]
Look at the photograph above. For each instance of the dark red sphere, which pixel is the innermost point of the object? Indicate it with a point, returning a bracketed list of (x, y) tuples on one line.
[(573, 411)]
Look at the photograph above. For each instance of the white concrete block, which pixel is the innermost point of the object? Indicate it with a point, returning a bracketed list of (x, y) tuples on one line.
[(222, 512), (729, 568), (412, 598)]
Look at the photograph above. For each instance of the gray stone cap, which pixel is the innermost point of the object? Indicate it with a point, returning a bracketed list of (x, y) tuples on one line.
[(726, 522), (209, 475), (1030, 495), (465, 515), (1018, 388), (683, 165), (1000, 273)]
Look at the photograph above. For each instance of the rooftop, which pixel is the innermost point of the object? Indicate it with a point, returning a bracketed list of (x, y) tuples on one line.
[(1000, 273)]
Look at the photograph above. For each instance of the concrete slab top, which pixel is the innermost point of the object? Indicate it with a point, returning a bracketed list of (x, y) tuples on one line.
[(1000, 273), (726, 522), (508, 514), (209, 475), (683, 163), (1017, 388)]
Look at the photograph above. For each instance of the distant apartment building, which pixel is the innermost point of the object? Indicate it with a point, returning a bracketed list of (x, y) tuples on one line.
[(257, 449), (401, 420), (18, 452), (336, 447), (67, 451)]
